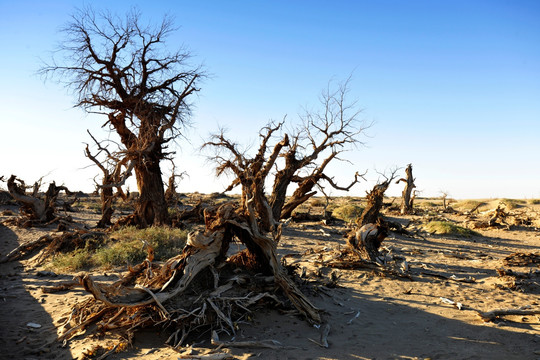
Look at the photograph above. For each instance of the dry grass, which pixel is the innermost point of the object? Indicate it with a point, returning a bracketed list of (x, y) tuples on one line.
[(347, 212)]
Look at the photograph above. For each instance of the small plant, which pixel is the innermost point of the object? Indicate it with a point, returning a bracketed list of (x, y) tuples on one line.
[(347, 212), (534, 201), (448, 228)]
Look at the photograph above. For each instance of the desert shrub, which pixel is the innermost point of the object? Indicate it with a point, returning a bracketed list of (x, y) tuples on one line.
[(79, 259), (126, 245), (347, 212), (534, 201), (448, 228), (318, 202)]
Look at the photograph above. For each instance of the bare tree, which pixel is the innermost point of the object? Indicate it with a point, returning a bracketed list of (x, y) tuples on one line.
[(122, 68), (375, 199), (325, 134), (372, 229), (406, 199), (171, 195)]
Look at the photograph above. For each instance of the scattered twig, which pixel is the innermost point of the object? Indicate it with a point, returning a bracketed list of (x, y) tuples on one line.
[(265, 344), (324, 337), (353, 318)]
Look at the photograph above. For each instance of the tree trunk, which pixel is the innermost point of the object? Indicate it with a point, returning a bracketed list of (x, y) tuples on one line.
[(107, 198), (151, 208), (406, 199), (375, 199), (367, 240)]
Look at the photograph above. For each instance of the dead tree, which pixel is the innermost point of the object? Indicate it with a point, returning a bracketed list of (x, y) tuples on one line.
[(250, 222), (114, 176), (34, 209), (171, 195), (366, 238), (326, 132), (406, 199), (122, 69), (255, 224), (375, 199)]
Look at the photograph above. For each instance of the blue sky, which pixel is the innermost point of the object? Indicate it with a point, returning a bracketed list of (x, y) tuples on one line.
[(452, 87)]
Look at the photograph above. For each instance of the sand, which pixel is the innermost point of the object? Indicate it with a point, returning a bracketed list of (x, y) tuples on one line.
[(370, 316)]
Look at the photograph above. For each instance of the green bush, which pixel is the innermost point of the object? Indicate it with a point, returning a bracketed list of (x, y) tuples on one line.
[(448, 228), (347, 212)]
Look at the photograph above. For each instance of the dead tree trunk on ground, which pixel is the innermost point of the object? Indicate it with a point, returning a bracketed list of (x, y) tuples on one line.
[(33, 208), (254, 223), (406, 199)]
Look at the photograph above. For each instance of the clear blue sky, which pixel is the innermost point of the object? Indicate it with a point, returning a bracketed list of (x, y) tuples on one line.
[(452, 86)]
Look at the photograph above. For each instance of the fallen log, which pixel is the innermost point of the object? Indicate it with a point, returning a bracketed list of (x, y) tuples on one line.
[(493, 314)]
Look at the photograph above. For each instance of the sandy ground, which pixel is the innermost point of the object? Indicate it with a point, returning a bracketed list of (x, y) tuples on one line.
[(370, 316)]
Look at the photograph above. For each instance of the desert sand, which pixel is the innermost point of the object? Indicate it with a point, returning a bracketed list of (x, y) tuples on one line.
[(369, 314)]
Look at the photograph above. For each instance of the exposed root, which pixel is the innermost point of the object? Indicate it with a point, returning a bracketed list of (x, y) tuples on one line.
[(194, 291)]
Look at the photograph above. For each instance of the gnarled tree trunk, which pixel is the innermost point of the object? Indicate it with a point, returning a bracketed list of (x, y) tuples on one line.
[(151, 208)]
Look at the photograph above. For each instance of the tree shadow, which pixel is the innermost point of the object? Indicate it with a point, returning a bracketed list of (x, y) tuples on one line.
[(18, 339)]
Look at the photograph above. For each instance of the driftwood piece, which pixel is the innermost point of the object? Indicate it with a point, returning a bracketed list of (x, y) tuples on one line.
[(493, 314), (66, 285)]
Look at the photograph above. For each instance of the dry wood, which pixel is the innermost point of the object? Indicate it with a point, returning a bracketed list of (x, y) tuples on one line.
[(264, 344), (66, 285), (36, 210), (493, 314)]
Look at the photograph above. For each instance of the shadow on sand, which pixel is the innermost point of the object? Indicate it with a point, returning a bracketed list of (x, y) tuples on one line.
[(19, 308)]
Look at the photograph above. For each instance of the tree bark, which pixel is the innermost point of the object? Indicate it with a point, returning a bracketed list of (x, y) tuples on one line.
[(151, 209), (375, 198), (107, 199)]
